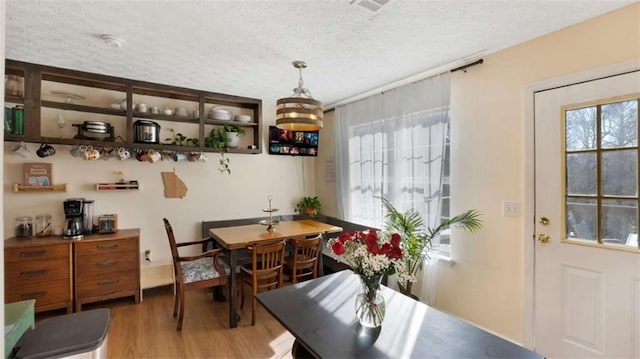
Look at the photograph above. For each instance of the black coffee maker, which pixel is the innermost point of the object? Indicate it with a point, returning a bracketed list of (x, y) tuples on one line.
[(74, 219)]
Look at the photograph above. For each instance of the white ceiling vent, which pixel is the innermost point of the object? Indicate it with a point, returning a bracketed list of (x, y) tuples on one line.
[(373, 5)]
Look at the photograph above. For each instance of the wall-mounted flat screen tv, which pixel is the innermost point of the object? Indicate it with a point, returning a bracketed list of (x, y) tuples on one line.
[(292, 143)]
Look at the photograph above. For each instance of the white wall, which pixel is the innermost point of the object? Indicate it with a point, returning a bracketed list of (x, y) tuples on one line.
[(211, 195), (325, 167)]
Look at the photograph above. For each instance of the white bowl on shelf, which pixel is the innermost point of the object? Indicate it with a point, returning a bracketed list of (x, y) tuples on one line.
[(220, 113), (243, 118)]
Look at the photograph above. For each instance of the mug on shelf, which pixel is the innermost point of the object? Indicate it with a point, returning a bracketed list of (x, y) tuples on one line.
[(153, 156), (123, 154), (78, 151), (91, 154), (105, 153), (45, 150), (179, 157), (21, 149)]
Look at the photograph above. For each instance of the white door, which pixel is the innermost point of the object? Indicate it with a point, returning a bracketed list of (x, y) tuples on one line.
[(587, 275)]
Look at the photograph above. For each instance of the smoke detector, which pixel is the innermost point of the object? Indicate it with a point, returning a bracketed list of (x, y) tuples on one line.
[(112, 41)]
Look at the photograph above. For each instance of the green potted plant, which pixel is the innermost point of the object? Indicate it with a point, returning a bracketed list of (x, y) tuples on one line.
[(309, 206), (233, 133), (217, 139), (178, 139), (416, 239)]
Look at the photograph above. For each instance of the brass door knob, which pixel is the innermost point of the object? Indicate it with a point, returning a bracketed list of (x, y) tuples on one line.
[(543, 238)]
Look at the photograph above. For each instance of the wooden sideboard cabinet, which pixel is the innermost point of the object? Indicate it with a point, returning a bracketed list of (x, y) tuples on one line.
[(107, 266), (58, 272), (39, 269)]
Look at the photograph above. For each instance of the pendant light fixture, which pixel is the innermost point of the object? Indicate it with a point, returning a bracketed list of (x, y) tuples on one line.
[(300, 112)]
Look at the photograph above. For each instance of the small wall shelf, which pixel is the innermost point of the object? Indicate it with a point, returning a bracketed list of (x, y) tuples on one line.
[(19, 188), (126, 186)]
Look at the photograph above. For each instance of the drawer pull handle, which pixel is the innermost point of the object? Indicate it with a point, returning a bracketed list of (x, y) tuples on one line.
[(108, 282), (33, 273), (107, 246), (106, 264), (33, 253), (33, 295)]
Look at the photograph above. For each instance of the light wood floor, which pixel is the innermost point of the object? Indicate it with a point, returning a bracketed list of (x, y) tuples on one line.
[(148, 329)]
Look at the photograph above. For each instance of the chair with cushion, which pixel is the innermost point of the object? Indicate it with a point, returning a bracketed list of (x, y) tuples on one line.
[(302, 263), (204, 270), (265, 271)]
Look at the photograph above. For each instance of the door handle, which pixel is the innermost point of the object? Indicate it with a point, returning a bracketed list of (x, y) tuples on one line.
[(543, 238)]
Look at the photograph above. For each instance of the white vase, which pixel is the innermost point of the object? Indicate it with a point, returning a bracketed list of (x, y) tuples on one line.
[(233, 139)]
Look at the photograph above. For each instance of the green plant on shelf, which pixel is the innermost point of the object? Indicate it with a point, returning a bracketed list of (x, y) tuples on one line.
[(217, 138), (178, 139), (234, 128)]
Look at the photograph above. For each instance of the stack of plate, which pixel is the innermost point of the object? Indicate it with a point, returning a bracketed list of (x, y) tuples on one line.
[(96, 129)]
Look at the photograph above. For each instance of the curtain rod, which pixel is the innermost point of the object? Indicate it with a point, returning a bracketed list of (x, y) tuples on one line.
[(421, 76), (464, 67)]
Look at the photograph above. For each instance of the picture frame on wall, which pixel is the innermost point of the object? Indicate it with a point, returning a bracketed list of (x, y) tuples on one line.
[(38, 174)]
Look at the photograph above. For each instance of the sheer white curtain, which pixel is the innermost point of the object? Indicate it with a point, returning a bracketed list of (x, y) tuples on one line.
[(391, 145)]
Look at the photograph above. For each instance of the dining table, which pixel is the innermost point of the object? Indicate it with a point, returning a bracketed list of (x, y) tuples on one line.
[(320, 314), (235, 238)]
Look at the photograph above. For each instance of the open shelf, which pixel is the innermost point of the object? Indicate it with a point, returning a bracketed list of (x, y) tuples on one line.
[(21, 188), (114, 186)]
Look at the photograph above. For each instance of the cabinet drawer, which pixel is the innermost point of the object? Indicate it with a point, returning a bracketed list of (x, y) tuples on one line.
[(53, 292), (40, 253), (106, 283), (37, 271), (111, 246), (106, 263)]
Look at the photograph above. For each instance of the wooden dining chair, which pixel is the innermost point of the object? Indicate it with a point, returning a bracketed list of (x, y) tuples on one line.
[(302, 263), (264, 273), (204, 270)]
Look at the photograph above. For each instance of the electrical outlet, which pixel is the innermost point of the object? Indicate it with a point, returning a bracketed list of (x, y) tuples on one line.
[(147, 255), (510, 209)]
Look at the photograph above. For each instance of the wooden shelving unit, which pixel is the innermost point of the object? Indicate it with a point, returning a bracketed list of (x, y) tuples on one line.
[(22, 188), (198, 103)]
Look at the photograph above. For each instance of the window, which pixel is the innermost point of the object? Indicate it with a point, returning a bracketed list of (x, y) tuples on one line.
[(392, 146), (401, 162), (601, 173)]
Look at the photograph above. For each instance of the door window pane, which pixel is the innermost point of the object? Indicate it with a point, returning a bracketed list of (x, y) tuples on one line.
[(581, 128), (581, 173), (582, 217), (601, 173), (619, 173), (619, 124), (619, 220)]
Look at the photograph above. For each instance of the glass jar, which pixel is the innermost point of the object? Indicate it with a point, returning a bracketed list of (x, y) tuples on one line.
[(24, 226), (43, 225), (17, 114)]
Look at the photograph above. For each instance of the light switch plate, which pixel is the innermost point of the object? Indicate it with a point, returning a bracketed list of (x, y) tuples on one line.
[(510, 209)]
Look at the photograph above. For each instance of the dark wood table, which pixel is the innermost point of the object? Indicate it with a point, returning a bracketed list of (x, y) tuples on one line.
[(321, 315), (235, 238)]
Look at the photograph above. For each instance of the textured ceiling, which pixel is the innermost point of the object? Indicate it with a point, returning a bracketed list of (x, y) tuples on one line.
[(245, 48)]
